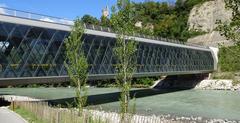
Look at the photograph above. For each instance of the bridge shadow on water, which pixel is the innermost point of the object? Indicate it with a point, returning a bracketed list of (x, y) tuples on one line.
[(112, 97), (168, 85)]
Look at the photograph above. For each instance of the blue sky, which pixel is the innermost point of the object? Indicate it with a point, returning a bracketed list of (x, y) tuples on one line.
[(68, 9)]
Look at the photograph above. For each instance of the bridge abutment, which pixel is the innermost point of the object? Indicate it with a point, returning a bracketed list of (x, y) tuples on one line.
[(181, 81)]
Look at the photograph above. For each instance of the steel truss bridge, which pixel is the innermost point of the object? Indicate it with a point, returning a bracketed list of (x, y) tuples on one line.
[(32, 50)]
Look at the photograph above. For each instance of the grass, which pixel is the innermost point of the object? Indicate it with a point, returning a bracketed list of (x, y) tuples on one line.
[(31, 118), (41, 112)]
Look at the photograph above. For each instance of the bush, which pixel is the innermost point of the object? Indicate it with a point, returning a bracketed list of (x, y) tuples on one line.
[(229, 59), (146, 81)]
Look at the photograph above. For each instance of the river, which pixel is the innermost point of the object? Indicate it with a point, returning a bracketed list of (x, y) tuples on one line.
[(204, 103)]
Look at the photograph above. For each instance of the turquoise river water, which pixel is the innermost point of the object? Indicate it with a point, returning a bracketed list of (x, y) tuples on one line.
[(204, 103)]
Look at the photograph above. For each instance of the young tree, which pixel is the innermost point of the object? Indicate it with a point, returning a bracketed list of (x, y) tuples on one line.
[(125, 50), (76, 63)]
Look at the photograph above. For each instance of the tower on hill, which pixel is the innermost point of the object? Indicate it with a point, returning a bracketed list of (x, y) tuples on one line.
[(105, 12)]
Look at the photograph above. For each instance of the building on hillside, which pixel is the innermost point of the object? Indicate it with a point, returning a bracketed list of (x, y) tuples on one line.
[(138, 24)]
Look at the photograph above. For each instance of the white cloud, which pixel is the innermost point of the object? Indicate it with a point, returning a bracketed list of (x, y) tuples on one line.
[(47, 19)]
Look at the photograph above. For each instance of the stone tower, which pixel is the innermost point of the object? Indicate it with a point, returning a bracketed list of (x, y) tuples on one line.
[(105, 12)]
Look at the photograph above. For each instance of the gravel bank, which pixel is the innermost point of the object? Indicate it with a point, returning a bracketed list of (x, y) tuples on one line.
[(218, 84)]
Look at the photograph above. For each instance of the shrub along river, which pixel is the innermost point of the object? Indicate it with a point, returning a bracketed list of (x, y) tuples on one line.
[(203, 103)]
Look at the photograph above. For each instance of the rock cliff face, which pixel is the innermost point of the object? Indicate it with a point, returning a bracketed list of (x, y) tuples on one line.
[(203, 17), (213, 39)]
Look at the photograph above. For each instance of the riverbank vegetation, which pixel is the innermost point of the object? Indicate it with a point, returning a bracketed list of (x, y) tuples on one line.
[(229, 57)]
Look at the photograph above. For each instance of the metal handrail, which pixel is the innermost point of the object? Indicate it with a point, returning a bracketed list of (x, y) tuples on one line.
[(34, 16), (58, 20)]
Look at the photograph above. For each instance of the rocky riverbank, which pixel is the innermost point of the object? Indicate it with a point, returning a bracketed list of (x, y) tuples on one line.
[(218, 84), (113, 117), (197, 82)]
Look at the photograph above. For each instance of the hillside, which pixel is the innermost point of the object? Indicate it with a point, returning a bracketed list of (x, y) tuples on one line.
[(204, 17), (159, 19)]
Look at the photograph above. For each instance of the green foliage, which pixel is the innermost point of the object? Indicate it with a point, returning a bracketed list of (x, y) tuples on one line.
[(145, 81), (169, 21), (232, 30), (88, 19), (125, 50), (229, 58), (235, 6), (76, 63), (105, 21), (31, 118)]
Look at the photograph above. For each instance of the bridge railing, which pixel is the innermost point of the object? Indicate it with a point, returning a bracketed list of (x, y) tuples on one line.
[(51, 19), (34, 16), (107, 29)]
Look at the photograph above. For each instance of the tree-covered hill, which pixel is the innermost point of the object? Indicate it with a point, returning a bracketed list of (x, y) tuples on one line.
[(159, 19)]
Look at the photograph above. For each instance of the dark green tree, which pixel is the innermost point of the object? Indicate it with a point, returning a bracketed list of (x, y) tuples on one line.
[(88, 19)]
